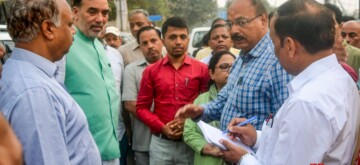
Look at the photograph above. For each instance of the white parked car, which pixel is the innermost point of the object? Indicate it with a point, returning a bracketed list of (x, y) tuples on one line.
[(6, 41), (196, 36)]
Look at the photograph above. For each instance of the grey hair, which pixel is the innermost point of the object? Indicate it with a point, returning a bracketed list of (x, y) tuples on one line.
[(26, 17), (139, 11)]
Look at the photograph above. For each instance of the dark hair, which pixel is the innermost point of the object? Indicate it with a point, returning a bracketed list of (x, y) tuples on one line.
[(306, 21), (271, 15), (346, 18), (258, 4), (215, 27), (146, 28), (215, 59), (77, 3), (216, 20), (26, 16), (174, 22), (259, 7), (205, 39), (336, 10)]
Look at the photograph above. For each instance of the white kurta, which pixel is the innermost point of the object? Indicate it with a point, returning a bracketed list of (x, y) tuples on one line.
[(317, 123)]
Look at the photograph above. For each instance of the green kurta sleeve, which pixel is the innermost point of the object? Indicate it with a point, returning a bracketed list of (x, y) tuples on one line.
[(193, 136)]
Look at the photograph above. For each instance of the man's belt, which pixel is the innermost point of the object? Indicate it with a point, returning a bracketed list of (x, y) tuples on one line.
[(161, 136)]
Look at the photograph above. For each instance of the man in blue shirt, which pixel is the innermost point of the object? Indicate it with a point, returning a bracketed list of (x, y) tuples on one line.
[(257, 83), (50, 125)]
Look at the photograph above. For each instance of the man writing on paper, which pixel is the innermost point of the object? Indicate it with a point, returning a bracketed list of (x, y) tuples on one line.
[(319, 120), (257, 82)]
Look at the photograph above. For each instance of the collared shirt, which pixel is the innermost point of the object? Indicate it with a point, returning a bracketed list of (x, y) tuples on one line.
[(131, 52), (50, 125), (117, 67), (256, 87), (170, 89), (317, 123), (132, 78), (91, 83)]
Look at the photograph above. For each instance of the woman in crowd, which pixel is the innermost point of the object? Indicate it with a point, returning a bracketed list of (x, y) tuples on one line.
[(205, 153)]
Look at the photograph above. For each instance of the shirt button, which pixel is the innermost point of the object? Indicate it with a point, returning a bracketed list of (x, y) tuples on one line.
[(177, 98), (176, 85)]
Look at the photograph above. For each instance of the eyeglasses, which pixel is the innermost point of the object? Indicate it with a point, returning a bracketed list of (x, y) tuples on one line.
[(225, 67), (240, 22)]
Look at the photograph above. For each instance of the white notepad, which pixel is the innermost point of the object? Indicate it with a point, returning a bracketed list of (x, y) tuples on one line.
[(213, 136)]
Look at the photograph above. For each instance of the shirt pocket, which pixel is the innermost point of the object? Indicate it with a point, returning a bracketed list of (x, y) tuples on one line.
[(191, 88)]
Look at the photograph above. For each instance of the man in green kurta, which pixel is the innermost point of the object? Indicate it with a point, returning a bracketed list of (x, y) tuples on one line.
[(89, 79)]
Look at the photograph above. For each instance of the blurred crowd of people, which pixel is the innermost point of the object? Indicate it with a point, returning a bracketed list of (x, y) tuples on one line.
[(73, 93)]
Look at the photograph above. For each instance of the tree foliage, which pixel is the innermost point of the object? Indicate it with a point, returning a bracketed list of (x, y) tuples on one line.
[(195, 12), (112, 13), (154, 7)]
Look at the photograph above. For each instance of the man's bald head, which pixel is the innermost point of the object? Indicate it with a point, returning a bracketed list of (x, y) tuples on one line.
[(351, 33)]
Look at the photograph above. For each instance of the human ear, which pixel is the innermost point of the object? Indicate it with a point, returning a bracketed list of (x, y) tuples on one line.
[(75, 11), (48, 29), (291, 46), (264, 21), (211, 73)]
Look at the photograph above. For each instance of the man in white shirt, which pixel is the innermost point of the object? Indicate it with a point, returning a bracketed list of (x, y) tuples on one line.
[(112, 37), (318, 123), (112, 42)]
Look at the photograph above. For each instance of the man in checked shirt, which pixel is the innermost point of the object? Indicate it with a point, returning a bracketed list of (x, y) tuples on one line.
[(257, 83)]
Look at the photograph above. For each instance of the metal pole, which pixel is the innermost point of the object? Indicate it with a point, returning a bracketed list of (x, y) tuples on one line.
[(359, 10), (118, 12)]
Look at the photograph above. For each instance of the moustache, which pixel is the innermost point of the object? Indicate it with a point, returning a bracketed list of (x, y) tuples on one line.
[(237, 37)]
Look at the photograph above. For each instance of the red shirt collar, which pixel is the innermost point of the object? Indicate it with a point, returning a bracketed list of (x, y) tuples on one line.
[(187, 60)]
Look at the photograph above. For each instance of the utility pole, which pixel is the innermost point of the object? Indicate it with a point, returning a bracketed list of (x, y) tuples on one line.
[(121, 15)]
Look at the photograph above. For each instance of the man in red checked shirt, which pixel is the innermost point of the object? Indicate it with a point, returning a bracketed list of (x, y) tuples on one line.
[(170, 83)]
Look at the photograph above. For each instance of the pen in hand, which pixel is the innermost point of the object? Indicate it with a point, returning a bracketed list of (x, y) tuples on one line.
[(243, 123)]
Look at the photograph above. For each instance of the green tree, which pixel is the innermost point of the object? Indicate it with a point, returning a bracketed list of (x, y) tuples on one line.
[(195, 12), (112, 14), (154, 7)]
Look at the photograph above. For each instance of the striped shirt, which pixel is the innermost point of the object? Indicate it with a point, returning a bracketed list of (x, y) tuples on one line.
[(256, 87)]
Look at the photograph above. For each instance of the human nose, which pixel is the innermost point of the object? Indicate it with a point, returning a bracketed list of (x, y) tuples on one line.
[(221, 39), (178, 41), (100, 17), (234, 29), (136, 27), (150, 46)]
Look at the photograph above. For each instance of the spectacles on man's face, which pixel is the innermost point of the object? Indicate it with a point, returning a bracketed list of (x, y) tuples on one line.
[(225, 67), (240, 22)]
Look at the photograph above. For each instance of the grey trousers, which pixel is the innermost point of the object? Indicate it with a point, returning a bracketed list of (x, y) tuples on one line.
[(142, 158), (166, 152)]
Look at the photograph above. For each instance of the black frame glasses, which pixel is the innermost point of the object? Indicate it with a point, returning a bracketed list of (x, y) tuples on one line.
[(225, 67), (240, 22)]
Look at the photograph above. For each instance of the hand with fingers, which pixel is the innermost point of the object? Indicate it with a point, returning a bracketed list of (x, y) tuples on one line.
[(212, 150), (246, 133), (177, 125), (189, 111), (173, 129), (234, 153)]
